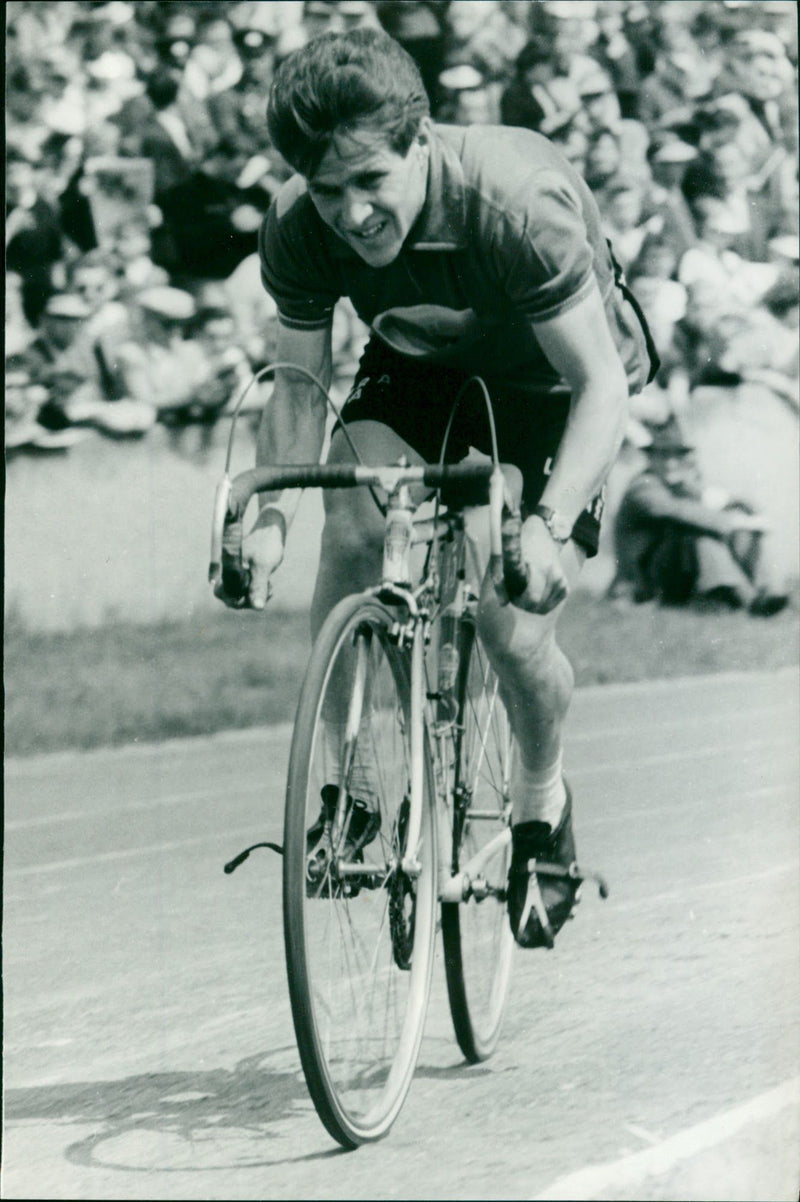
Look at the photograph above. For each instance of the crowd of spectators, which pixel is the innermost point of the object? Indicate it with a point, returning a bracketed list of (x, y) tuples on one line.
[(139, 169)]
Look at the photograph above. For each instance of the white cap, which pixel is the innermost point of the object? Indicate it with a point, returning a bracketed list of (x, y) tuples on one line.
[(167, 302), (67, 304), (461, 78)]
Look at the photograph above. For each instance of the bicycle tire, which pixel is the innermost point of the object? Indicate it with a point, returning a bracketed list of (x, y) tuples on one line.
[(477, 938), (359, 951)]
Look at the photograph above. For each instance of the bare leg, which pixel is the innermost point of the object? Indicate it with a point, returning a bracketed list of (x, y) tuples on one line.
[(536, 682), (352, 538)]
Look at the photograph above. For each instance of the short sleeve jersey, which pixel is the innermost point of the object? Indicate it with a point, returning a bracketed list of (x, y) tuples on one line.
[(509, 234)]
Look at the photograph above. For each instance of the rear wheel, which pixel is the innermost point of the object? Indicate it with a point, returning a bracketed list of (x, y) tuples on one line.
[(478, 943), (359, 930)]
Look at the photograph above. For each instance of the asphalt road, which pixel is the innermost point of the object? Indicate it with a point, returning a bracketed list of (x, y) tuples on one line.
[(149, 1051)]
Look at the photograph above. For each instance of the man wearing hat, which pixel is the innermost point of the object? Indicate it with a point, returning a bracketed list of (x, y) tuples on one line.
[(680, 543), (466, 250)]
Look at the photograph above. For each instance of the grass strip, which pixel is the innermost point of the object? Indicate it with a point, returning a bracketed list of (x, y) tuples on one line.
[(125, 683)]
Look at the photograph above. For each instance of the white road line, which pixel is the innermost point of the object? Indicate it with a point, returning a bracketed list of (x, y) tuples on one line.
[(692, 886), (128, 807), (226, 840), (630, 1171), (261, 786)]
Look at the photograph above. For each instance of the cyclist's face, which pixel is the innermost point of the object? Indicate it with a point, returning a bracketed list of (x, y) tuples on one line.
[(369, 194)]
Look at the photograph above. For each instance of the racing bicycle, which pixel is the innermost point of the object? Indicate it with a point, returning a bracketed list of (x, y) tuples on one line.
[(397, 807)]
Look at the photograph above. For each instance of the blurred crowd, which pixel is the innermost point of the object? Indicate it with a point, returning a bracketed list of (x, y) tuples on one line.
[(139, 170)]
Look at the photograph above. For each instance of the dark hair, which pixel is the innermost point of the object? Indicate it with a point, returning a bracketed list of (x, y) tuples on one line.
[(340, 81), (162, 88)]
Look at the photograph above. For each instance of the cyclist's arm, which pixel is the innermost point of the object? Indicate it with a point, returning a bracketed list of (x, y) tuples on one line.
[(292, 427), (579, 345)]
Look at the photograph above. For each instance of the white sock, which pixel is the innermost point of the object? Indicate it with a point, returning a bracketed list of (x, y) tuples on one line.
[(362, 781), (537, 795)]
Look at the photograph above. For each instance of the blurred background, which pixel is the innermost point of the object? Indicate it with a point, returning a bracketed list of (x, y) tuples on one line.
[(139, 170)]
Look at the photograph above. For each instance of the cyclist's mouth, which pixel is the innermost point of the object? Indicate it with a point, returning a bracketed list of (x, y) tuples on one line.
[(371, 233)]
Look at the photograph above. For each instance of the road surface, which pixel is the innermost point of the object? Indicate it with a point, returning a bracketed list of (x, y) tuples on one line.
[(149, 1050)]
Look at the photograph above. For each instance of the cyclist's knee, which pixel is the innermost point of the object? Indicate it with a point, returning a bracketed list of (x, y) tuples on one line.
[(352, 534), (523, 645)]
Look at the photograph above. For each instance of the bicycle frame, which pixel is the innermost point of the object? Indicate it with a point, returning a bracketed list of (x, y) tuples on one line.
[(425, 725)]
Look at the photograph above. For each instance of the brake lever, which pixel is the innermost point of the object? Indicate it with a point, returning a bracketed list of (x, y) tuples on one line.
[(226, 569)]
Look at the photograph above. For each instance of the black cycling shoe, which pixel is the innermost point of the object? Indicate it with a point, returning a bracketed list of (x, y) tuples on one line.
[(543, 880), (362, 827)]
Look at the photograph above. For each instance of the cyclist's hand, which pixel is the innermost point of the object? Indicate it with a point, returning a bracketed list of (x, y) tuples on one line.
[(547, 581), (262, 552)]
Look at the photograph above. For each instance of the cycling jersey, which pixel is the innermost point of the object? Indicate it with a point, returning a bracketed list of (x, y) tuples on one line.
[(509, 234)]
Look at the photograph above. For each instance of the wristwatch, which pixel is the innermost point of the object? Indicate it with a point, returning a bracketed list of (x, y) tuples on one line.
[(559, 527)]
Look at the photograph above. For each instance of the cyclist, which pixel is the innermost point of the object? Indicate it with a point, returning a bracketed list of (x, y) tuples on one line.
[(466, 250)]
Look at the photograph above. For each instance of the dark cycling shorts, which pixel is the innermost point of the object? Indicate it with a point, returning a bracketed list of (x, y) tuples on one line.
[(415, 399)]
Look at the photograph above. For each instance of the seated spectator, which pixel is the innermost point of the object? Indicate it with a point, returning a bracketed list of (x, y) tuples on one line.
[(741, 282), (616, 55), (479, 33), (34, 239), (663, 298), (760, 194), (467, 98), (24, 400), (254, 312), (131, 252), (19, 332), (179, 378), (212, 220), (213, 64), (680, 80), (569, 31), (537, 97), (759, 73), (679, 543), (600, 110), (416, 26), (625, 221)]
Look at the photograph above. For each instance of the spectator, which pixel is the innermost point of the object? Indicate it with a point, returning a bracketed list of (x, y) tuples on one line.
[(616, 55), (600, 110), (19, 332), (680, 80), (416, 26), (254, 311), (538, 97), (131, 251), (466, 98), (679, 542), (625, 221), (213, 63), (181, 379), (758, 72), (34, 240), (480, 34), (24, 399)]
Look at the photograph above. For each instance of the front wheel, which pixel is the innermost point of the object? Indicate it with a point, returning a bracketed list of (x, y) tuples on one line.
[(478, 942), (359, 929)]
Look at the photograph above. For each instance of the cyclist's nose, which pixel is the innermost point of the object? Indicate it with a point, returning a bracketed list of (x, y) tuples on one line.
[(356, 209)]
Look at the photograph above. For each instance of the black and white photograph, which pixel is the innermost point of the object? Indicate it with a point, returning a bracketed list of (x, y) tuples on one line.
[(402, 600)]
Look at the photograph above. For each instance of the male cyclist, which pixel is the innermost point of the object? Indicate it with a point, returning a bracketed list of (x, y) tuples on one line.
[(466, 250)]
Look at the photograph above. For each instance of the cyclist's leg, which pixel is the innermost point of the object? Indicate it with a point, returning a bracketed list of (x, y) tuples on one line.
[(535, 675), (352, 537)]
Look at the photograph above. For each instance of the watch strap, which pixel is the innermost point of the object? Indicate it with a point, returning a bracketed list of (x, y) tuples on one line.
[(557, 526)]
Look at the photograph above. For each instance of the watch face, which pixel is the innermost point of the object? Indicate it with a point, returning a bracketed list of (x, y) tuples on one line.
[(559, 528)]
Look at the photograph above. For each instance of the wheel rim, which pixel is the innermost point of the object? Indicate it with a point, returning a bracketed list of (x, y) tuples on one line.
[(367, 938), (485, 939)]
